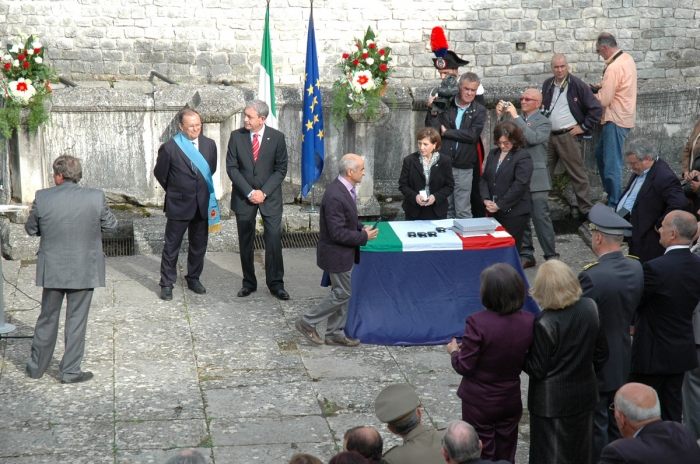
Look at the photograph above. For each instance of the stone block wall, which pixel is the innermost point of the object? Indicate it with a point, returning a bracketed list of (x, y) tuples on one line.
[(205, 41)]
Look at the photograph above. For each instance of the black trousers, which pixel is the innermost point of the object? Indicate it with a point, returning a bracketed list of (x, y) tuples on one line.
[(514, 225), (272, 235), (668, 387), (198, 234)]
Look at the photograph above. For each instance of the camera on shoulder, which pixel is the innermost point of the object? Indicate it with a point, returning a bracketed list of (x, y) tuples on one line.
[(448, 90)]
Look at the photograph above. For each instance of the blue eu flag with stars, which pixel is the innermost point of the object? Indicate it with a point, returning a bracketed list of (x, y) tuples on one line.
[(312, 123)]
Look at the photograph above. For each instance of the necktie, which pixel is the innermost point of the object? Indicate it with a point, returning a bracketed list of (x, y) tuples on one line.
[(352, 192), (256, 148)]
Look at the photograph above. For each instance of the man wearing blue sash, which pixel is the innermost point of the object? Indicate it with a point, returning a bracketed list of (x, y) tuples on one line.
[(184, 169)]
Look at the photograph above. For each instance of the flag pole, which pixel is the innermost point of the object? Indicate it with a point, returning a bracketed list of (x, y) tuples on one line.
[(313, 209)]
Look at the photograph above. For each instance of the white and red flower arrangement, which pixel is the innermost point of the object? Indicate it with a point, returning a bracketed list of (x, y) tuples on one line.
[(365, 69), (25, 83)]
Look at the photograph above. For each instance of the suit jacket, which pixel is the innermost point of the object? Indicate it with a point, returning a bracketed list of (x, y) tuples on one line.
[(658, 442), (511, 184), (584, 106), (490, 361), (664, 342), (412, 181), (459, 143), (340, 231), (422, 445), (266, 174), (567, 350), (186, 191), (536, 132), (660, 194), (616, 284), (70, 220)]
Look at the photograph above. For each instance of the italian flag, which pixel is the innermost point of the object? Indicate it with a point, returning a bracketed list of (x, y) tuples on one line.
[(266, 87)]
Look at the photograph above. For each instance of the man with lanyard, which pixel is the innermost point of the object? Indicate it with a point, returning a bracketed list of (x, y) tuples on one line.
[(460, 127), (574, 111), (184, 169), (617, 93)]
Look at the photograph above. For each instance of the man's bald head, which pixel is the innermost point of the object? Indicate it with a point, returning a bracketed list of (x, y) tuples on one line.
[(364, 440), (533, 93), (638, 402), (559, 58)]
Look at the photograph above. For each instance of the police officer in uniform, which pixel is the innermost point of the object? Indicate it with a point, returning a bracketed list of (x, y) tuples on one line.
[(616, 283), (398, 407)]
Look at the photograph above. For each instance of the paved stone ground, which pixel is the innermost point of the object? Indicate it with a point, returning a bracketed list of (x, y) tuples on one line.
[(230, 377)]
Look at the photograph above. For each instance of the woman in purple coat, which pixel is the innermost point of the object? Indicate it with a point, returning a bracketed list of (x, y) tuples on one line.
[(490, 360)]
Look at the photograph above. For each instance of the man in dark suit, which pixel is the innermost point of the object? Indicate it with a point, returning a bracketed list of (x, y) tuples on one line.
[(70, 221), (652, 192), (648, 439), (663, 348), (340, 236), (256, 163), (186, 203), (461, 444), (615, 283)]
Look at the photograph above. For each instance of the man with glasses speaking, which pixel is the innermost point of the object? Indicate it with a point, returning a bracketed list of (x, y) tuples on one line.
[(536, 129)]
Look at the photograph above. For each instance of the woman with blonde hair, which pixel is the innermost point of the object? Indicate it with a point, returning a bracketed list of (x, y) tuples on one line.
[(568, 348)]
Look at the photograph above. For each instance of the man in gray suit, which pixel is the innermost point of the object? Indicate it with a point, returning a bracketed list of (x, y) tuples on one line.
[(536, 129), (69, 219)]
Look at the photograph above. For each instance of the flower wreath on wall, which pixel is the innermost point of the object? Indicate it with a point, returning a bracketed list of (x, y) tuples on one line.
[(25, 83), (365, 70)]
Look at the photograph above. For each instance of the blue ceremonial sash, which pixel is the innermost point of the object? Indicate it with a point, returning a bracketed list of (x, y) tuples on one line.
[(200, 163)]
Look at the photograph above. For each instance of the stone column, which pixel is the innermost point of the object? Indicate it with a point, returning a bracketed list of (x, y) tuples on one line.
[(361, 139)]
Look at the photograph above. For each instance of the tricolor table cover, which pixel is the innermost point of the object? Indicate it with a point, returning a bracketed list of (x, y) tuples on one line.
[(420, 290)]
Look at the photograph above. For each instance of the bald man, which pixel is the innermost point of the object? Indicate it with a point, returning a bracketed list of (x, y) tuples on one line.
[(339, 239), (366, 441), (648, 439), (536, 129)]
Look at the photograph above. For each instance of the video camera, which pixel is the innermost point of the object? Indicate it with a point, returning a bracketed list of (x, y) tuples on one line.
[(448, 90)]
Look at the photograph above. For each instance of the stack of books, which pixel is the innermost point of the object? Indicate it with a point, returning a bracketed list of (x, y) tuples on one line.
[(475, 226)]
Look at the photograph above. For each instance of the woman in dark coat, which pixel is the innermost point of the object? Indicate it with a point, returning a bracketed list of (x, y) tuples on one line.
[(568, 349), (505, 182), (490, 360), (426, 163)]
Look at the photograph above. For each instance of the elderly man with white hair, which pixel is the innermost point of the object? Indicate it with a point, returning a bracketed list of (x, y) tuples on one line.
[(461, 444)]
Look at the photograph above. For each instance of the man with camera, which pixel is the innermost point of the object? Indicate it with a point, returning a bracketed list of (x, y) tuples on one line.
[(460, 125), (574, 111)]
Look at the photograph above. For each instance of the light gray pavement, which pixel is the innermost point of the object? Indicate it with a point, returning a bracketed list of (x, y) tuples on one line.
[(229, 376)]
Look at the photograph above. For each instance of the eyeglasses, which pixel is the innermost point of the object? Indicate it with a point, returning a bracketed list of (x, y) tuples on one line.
[(504, 144), (527, 99), (612, 406)]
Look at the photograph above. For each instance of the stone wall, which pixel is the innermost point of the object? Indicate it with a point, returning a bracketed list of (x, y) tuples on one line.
[(205, 41)]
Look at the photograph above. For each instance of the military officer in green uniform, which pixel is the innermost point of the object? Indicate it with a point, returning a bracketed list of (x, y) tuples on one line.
[(616, 283), (398, 406)]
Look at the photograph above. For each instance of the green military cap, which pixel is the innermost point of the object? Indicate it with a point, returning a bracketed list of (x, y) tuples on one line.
[(605, 220), (396, 402)]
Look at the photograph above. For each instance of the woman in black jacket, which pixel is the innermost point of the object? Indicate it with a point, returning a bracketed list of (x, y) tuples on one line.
[(505, 182), (567, 350), (427, 170)]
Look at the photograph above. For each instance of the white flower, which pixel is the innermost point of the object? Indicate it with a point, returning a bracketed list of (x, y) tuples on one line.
[(7, 58), (37, 44), (362, 81), (28, 81), (382, 58), (15, 49), (22, 90), (369, 61), (369, 41), (364, 50), (15, 63), (38, 60), (30, 51)]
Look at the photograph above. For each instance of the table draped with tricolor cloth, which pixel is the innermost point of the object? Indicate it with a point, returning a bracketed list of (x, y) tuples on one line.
[(420, 290)]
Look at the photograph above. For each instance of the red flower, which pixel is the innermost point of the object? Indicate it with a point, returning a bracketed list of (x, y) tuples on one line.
[(382, 51), (372, 45), (345, 56), (362, 80), (21, 57), (358, 45), (21, 86), (37, 51), (355, 62), (365, 56), (25, 64), (382, 67), (7, 66)]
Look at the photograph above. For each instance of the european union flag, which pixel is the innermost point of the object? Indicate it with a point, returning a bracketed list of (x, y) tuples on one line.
[(312, 123)]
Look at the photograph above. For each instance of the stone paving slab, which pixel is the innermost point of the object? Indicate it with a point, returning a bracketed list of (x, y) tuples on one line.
[(230, 376)]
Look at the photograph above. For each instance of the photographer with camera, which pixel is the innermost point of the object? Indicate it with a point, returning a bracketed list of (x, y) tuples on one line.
[(536, 128), (690, 163), (460, 126)]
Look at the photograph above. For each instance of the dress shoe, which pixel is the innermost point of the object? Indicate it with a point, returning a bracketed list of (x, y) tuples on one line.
[(245, 291), (527, 264), (280, 293), (343, 341), (166, 293), (83, 377), (196, 287), (29, 374), (310, 335)]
